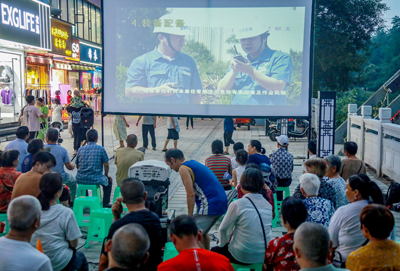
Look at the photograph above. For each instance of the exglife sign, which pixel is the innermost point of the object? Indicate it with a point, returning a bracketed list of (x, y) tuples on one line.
[(26, 22)]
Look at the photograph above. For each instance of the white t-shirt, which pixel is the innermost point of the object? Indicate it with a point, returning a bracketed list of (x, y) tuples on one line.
[(21, 256), (239, 172), (57, 226), (57, 109), (234, 163)]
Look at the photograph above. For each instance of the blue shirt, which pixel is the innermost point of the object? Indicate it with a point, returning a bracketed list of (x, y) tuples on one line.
[(210, 195), (339, 185), (27, 163), (21, 146), (61, 156), (272, 63), (319, 210), (90, 160), (228, 125), (258, 159), (153, 69)]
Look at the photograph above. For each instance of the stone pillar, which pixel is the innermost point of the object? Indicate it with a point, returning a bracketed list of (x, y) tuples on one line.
[(385, 115), (366, 113), (352, 111)]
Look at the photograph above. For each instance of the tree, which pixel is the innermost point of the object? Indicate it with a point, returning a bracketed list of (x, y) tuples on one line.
[(343, 30)]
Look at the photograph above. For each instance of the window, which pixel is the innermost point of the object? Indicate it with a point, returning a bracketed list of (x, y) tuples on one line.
[(80, 25), (71, 11), (93, 23), (98, 26), (64, 10), (86, 25), (55, 3)]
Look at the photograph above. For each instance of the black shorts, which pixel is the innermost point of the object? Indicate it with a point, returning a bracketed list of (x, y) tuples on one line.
[(228, 138), (65, 195), (173, 134)]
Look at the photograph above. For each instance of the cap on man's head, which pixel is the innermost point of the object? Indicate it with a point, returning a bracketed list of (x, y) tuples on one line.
[(283, 140)]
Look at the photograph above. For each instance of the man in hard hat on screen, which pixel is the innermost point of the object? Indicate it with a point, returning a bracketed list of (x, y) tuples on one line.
[(165, 75), (262, 75)]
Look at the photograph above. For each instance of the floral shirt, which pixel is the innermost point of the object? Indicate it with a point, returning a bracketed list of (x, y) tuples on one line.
[(339, 185), (280, 254), (326, 191), (9, 176), (319, 210), (282, 163)]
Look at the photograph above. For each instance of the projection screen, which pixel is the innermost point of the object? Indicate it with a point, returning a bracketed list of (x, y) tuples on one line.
[(207, 58)]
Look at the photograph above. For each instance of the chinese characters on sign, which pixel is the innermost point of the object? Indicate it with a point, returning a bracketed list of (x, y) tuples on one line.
[(90, 54), (159, 23), (61, 34), (209, 91)]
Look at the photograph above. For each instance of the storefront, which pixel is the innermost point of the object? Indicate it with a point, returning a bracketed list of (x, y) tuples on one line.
[(19, 33)]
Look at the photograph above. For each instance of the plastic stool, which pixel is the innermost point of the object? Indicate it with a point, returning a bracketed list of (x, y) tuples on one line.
[(117, 194), (276, 218), (254, 266), (82, 202), (243, 269), (100, 223), (3, 219), (82, 188), (286, 192), (169, 251)]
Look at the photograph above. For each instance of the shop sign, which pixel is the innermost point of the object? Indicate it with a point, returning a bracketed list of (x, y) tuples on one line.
[(61, 35), (91, 54), (62, 66), (76, 51), (26, 22)]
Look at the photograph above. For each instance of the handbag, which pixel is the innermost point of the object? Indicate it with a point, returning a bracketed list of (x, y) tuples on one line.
[(262, 224)]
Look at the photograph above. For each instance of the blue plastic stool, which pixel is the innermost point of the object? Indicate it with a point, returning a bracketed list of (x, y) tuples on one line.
[(3, 219), (254, 266), (100, 223)]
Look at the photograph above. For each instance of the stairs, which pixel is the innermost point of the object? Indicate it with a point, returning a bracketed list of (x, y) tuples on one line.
[(8, 130)]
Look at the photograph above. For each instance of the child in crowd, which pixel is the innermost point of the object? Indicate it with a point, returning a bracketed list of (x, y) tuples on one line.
[(241, 159), (237, 146)]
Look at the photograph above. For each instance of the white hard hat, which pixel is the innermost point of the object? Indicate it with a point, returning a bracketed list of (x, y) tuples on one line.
[(172, 29), (245, 32)]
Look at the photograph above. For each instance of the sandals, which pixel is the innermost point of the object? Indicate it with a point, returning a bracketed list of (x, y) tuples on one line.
[(226, 153)]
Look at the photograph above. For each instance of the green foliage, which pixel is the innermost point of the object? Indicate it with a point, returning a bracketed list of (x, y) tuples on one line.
[(343, 30), (121, 78), (354, 96), (232, 40), (294, 90), (385, 57)]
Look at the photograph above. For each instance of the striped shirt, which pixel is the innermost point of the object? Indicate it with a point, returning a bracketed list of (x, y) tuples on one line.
[(219, 164)]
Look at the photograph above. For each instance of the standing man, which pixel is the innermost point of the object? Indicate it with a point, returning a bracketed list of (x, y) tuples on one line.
[(31, 117), (20, 144), (228, 132), (262, 70), (173, 132), (148, 126), (90, 161), (126, 157), (282, 162), (202, 188), (164, 74), (62, 158)]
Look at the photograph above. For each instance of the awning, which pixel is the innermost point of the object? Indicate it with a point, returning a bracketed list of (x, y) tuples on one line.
[(39, 60), (82, 68)]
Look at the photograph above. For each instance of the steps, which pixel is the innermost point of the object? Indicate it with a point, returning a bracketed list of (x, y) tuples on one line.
[(8, 130)]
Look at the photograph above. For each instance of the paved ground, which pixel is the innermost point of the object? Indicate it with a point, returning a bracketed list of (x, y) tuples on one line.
[(196, 144)]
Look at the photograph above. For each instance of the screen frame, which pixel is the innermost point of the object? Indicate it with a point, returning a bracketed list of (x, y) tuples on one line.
[(223, 3)]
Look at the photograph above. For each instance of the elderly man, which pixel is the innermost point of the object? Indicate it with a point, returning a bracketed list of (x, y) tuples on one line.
[(122, 254), (16, 252), (62, 158), (126, 157), (90, 161), (282, 162), (319, 210), (20, 144), (311, 247)]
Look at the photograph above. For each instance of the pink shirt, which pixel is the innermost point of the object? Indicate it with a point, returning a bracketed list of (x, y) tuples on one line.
[(31, 118)]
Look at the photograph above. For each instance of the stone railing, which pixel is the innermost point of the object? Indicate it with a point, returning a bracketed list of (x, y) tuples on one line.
[(378, 140)]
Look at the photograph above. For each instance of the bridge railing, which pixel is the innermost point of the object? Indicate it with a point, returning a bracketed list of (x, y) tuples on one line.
[(378, 140)]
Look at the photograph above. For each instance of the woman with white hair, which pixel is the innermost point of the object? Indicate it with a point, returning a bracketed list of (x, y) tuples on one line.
[(319, 210)]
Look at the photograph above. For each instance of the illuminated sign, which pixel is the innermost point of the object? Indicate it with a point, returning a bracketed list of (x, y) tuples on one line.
[(76, 51), (61, 34), (91, 54), (62, 66), (26, 22)]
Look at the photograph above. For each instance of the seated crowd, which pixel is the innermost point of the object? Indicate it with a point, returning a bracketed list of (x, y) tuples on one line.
[(332, 221)]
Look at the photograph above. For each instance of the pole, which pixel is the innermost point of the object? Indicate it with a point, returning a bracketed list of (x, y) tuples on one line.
[(102, 129)]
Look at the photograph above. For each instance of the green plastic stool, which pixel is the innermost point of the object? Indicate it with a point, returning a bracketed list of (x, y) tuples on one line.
[(243, 269), (276, 218), (82, 202), (100, 223), (254, 266), (3, 219), (82, 188), (169, 251)]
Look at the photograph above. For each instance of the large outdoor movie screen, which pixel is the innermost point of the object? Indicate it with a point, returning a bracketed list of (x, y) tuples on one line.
[(207, 58)]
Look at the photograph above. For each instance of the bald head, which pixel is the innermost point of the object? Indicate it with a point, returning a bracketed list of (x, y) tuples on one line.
[(131, 140), (311, 243), (22, 213), (129, 246)]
